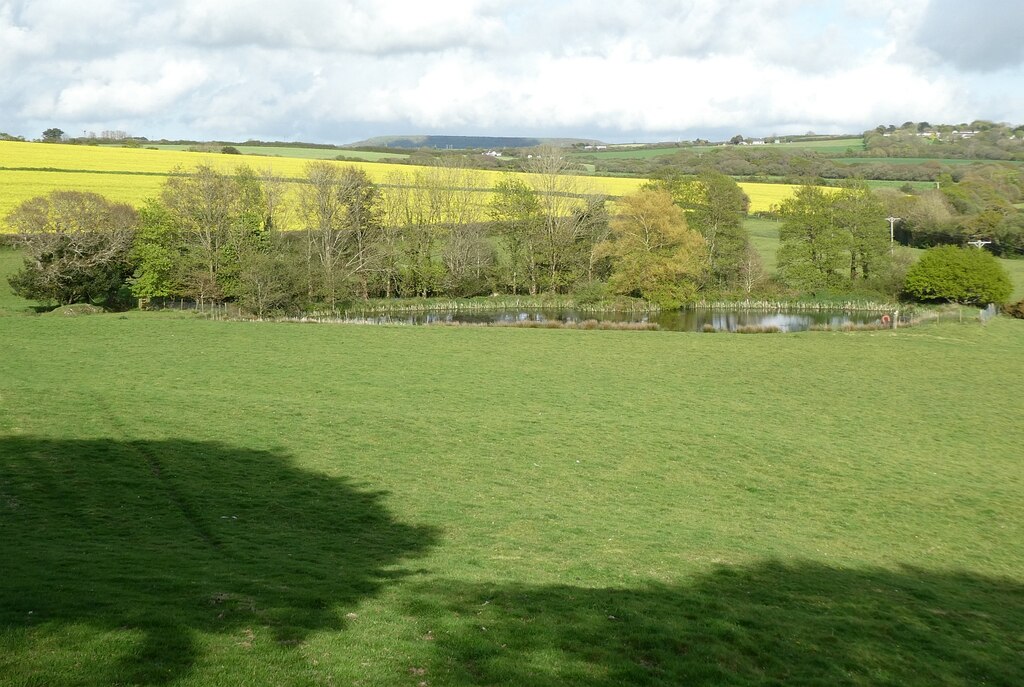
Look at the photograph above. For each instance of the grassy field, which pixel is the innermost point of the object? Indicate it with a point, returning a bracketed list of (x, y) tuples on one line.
[(912, 161), (190, 502), (303, 153), (764, 235), (10, 262), (887, 183), (1015, 268), (839, 145), (629, 153)]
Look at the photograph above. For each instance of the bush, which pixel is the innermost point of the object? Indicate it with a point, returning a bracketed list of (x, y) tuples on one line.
[(76, 247), (958, 275), (590, 292)]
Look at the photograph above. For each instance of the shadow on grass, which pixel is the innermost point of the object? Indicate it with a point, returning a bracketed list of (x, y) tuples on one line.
[(119, 560), (766, 624)]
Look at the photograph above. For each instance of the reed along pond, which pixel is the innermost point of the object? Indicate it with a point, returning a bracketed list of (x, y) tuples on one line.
[(685, 320)]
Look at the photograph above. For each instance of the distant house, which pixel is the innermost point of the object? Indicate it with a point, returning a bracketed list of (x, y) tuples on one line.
[(492, 153)]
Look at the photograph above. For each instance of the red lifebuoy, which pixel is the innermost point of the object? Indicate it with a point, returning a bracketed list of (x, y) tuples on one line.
[(886, 319)]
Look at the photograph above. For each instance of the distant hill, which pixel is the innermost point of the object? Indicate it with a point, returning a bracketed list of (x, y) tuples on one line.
[(462, 142)]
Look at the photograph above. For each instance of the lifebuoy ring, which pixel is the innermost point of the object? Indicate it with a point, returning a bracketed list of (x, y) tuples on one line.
[(886, 319)]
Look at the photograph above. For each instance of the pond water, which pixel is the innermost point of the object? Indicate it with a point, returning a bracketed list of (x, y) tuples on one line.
[(685, 320)]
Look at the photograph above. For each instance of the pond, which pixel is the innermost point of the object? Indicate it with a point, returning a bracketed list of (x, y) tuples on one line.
[(685, 320)]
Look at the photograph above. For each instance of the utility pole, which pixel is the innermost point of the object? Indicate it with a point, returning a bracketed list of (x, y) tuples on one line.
[(892, 231)]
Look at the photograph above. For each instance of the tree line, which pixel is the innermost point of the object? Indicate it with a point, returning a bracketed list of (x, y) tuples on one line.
[(275, 245)]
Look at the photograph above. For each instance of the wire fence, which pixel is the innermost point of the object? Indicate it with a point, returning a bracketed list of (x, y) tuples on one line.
[(949, 313)]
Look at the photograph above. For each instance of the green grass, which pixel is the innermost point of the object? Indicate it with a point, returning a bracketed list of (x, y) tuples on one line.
[(835, 146), (764, 235), (10, 262), (304, 153), (888, 183), (205, 503), (911, 161), (630, 154), (191, 502), (838, 145), (1015, 268)]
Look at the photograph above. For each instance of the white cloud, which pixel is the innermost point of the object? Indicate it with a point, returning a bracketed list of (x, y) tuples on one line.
[(108, 92), (369, 26), (625, 68)]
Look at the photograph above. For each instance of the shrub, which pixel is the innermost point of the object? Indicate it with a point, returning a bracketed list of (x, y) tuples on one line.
[(958, 275), (590, 292), (76, 246)]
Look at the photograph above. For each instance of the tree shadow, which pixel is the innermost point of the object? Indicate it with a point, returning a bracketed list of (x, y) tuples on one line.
[(771, 623), (152, 543)]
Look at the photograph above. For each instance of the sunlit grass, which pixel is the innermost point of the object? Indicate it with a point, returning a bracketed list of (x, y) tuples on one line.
[(206, 503)]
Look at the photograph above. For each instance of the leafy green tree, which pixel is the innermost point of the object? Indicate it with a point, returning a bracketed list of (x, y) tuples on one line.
[(270, 281), (654, 254), (715, 206), (156, 253), (861, 214), (958, 275), (813, 245), (717, 214), (516, 214), (203, 205), (218, 217), (53, 135), (76, 245)]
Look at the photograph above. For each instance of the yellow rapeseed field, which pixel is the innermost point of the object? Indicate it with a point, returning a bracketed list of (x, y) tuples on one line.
[(133, 174), (764, 196)]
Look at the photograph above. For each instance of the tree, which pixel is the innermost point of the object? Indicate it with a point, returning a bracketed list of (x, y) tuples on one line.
[(812, 245), (77, 247), (862, 216), (958, 275), (218, 217), (562, 246), (156, 253), (516, 214), (269, 281), (340, 210), (654, 254), (53, 135), (466, 253), (203, 206), (751, 270), (715, 206)]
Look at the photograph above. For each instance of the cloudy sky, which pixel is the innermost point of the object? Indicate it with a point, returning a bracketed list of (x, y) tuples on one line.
[(618, 70)]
